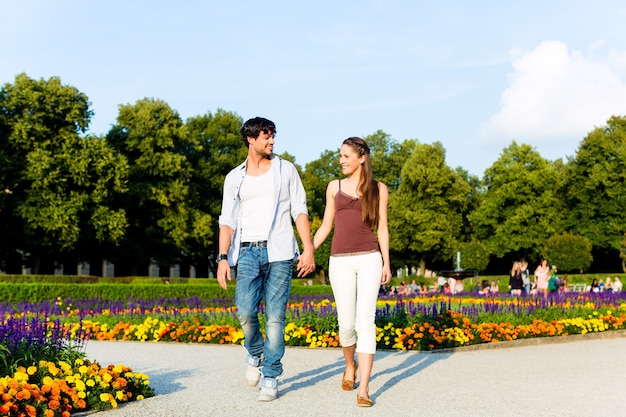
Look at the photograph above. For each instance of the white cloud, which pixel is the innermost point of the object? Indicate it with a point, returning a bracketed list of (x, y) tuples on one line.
[(557, 94)]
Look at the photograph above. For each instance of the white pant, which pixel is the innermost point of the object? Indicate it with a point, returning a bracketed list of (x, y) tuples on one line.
[(355, 280)]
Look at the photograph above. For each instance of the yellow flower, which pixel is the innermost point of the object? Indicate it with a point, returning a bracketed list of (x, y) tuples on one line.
[(80, 385)]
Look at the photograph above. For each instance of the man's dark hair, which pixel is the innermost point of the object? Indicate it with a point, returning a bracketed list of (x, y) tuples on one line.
[(253, 128)]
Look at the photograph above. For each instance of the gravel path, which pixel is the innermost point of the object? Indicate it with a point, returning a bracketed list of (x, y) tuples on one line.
[(568, 376)]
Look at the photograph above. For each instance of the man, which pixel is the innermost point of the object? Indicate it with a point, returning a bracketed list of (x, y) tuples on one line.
[(261, 197)]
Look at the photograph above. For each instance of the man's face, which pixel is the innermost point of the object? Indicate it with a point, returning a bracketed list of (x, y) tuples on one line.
[(264, 144)]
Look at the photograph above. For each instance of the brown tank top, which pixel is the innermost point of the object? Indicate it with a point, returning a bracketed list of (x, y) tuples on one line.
[(351, 234)]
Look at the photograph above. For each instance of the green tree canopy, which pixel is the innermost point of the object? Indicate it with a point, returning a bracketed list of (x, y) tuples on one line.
[(219, 150), (519, 207), (60, 183), (426, 212), (474, 255), (595, 191), (569, 252), (156, 142)]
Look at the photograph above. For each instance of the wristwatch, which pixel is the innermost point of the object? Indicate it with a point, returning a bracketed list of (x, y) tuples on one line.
[(221, 257)]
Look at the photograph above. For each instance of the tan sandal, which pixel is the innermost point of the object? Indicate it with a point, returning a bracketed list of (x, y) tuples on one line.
[(349, 385), (363, 401)]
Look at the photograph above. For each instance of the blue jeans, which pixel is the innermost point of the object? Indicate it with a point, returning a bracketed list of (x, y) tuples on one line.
[(257, 278)]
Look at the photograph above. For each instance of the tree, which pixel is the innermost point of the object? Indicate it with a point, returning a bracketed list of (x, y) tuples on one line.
[(388, 157), (59, 183), (568, 252), (220, 149), (317, 174), (473, 201), (595, 191), (70, 202), (426, 213), (161, 219), (474, 255), (520, 207)]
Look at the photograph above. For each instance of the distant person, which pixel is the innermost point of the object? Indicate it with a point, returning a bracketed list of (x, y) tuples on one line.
[(515, 279), (440, 283), (594, 286), (493, 289), (608, 285), (357, 207), (553, 281), (483, 287), (414, 287), (617, 285), (404, 289), (452, 285), (525, 277), (542, 275)]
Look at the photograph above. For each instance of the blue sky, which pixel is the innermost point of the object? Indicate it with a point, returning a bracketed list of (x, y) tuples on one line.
[(472, 75)]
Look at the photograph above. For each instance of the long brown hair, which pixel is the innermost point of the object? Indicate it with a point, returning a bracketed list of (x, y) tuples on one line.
[(368, 187)]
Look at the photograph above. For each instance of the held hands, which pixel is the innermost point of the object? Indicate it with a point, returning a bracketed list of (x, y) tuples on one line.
[(306, 263)]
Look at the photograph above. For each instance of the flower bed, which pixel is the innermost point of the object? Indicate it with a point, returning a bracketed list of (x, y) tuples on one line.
[(418, 323), (45, 374)]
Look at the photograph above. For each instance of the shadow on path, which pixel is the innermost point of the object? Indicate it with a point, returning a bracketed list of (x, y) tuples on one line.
[(412, 364)]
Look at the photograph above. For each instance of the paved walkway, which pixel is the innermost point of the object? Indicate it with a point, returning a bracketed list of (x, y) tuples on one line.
[(568, 376)]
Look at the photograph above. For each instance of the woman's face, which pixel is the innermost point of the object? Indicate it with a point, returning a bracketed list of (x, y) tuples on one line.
[(349, 160)]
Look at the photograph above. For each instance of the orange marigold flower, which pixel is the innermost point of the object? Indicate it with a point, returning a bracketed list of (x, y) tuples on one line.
[(31, 411), (23, 395)]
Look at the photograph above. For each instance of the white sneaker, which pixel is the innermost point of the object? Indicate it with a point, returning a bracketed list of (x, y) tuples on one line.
[(253, 373), (253, 376), (269, 389)]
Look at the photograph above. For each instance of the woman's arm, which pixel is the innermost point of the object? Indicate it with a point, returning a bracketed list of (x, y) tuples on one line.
[(329, 215), (383, 231)]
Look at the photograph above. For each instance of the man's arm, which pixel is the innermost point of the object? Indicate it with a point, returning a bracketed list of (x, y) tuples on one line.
[(223, 267)]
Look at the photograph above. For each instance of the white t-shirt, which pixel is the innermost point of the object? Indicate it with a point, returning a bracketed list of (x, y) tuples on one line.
[(257, 205)]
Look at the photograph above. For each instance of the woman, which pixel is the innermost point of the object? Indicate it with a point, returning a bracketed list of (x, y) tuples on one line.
[(516, 283), (359, 261)]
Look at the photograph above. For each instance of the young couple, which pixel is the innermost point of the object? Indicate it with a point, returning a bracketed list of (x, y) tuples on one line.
[(261, 197)]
